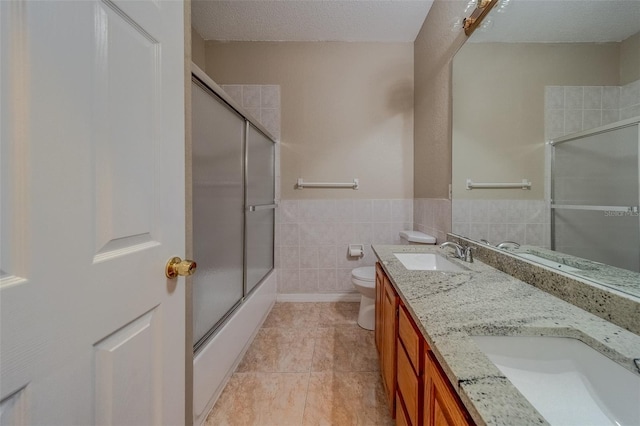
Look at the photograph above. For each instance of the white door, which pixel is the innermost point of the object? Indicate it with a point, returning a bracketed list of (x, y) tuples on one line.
[(92, 124)]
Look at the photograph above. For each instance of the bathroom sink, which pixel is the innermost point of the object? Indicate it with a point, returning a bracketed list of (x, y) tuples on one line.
[(426, 262), (567, 381), (549, 263)]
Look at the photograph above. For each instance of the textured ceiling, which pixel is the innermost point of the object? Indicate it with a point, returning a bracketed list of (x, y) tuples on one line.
[(547, 21), (310, 20)]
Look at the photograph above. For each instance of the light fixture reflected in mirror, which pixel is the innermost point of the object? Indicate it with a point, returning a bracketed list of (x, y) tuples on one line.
[(475, 19)]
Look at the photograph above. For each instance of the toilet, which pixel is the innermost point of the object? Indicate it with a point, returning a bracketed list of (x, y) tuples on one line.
[(364, 280)]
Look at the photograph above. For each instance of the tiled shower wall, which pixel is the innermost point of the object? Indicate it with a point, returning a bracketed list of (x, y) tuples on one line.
[(312, 238), (570, 109), (433, 217), (522, 221)]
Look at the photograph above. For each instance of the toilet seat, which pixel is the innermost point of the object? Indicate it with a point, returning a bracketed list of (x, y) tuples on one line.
[(365, 273)]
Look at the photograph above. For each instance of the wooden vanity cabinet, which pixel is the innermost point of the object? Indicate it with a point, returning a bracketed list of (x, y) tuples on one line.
[(417, 390)]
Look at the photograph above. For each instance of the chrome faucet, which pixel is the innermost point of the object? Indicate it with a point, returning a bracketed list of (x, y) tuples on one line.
[(463, 253), (506, 244), (485, 242)]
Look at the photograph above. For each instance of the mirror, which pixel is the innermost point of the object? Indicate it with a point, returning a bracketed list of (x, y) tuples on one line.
[(562, 71)]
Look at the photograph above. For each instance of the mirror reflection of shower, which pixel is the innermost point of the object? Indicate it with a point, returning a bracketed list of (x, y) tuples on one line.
[(595, 191)]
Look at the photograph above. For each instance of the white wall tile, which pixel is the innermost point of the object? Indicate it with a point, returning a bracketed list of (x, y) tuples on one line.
[(288, 211), (630, 94), (344, 211), (610, 97), (290, 257), (554, 97), (308, 280), (497, 212), (516, 232), (289, 280), (461, 228), (573, 97), (497, 233), (629, 112), (382, 210), (345, 234), (308, 257), (289, 234), (363, 233), (479, 211), (593, 97), (363, 211), (572, 120), (327, 257), (610, 116), (327, 279), (591, 118), (478, 231), (251, 96)]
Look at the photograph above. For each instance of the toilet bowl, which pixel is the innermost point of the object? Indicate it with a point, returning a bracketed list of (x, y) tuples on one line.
[(364, 280)]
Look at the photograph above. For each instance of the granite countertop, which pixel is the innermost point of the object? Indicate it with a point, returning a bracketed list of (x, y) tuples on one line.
[(449, 307)]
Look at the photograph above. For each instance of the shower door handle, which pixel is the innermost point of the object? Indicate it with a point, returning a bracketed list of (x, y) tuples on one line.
[(176, 266)]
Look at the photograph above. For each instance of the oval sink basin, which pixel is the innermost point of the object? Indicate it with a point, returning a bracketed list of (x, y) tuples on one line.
[(426, 262), (567, 381)]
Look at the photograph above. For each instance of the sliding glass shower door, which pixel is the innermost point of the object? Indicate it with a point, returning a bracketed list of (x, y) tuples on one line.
[(233, 209), (218, 205)]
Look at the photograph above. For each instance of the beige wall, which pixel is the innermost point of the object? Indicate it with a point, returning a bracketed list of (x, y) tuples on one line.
[(630, 60), (347, 110), (197, 49), (498, 98), (434, 49)]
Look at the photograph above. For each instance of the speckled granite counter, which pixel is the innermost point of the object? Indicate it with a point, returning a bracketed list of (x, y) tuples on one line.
[(449, 307)]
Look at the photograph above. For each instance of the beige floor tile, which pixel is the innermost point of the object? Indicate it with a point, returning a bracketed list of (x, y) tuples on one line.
[(339, 313), (346, 399), (261, 399), (281, 350), (293, 315), (344, 348)]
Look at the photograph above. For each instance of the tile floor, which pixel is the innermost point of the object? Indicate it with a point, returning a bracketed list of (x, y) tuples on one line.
[(310, 364)]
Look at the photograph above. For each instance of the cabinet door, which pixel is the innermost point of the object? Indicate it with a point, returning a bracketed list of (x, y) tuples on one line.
[(390, 330), (441, 403), (379, 297)]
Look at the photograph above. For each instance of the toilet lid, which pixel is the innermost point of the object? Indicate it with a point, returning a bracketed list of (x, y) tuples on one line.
[(365, 273)]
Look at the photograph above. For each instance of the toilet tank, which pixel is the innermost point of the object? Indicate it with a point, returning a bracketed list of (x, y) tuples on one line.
[(416, 237)]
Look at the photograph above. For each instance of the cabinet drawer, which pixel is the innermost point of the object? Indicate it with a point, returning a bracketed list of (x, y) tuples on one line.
[(408, 386), (410, 338)]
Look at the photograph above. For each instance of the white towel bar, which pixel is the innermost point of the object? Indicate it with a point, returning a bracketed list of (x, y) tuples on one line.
[(525, 184), (302, 184)]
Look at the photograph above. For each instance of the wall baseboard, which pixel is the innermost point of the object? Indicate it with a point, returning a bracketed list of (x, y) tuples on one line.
[(318, 297)]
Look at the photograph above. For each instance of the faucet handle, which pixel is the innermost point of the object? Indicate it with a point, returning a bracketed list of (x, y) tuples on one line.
[(468, 254)]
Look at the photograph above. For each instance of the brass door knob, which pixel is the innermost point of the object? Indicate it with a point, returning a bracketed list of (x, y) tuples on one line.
[(176, 266)]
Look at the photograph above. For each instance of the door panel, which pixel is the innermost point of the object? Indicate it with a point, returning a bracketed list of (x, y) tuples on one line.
[(126, 126), (92, 207)]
